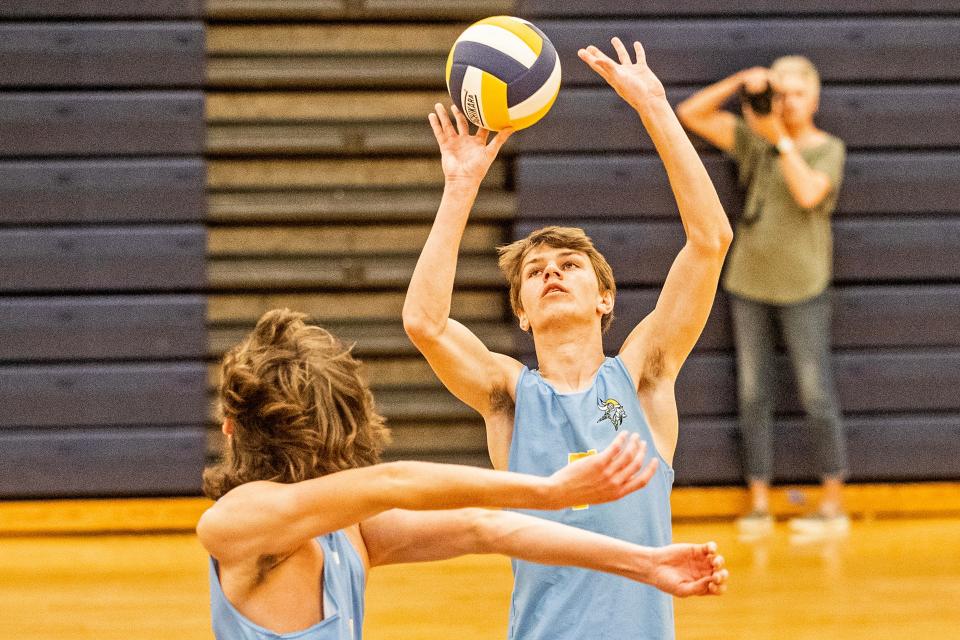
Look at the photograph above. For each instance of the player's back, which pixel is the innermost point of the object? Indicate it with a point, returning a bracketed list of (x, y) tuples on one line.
[(342, 582)]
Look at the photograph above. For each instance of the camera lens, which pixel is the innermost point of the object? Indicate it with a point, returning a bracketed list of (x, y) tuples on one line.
[(761, 103)]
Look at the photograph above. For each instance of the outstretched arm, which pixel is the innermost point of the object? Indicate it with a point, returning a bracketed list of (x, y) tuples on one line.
[(658, 346), (461, 361), (261, 518), (403, 536)]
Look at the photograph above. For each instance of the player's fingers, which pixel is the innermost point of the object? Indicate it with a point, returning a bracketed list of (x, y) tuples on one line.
[(500, 139), (698, 587), (708, 550), (718, 562), (595, 59), (635, 460), (643, 478), (463, 127), (444, 120), (587, 57), (718, 582), (614, 448), (602, 60), (625, 456), (595, 51), (437, 129), (606, 67), (641, 54), (621, 50)]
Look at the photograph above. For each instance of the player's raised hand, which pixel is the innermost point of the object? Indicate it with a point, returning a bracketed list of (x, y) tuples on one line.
[(632, 80), (464, 156), (609, 475), (689, 570)]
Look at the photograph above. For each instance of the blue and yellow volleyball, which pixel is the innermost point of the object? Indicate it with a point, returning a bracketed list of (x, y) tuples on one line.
[(503, 72)]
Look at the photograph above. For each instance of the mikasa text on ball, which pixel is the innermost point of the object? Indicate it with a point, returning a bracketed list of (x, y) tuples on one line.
[(503, 72)]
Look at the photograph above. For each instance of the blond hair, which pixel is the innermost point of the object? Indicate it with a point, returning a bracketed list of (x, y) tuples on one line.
[(299, 405), (798, 66), (513, 255)]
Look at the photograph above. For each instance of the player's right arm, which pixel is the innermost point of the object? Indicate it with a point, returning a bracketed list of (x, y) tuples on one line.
[(400, 536), (703, 113), (462, 362), (261, 519)]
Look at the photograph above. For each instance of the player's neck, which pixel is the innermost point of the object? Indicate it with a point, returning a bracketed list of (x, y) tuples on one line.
[(569, 360)]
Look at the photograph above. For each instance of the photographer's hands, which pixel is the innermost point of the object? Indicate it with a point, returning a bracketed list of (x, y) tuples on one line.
[(754, 79), (770, 126)]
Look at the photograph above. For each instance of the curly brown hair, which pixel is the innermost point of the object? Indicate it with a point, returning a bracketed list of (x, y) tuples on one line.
[(512, 256), (299, 405)]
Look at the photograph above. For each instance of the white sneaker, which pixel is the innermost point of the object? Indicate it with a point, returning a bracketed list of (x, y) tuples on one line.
[(819, 523), (755, 523)]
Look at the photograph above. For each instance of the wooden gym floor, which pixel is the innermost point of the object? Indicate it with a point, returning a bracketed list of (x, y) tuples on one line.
[(891, 577)]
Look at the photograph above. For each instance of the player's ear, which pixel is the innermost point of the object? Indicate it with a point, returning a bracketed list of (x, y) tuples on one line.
[(227, 427), (523, 320), (605, 305)]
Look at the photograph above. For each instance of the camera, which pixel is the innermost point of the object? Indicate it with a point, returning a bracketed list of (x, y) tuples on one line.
[(761, 102)]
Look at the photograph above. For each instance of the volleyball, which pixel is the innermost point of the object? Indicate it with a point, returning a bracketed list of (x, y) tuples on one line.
[(503, 72)]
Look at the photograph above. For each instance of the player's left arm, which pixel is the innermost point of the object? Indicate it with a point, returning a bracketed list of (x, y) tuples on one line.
[(400, 536), (657, 348)]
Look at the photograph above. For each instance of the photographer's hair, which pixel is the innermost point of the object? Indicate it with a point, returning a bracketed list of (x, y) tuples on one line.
[(797, 66), (512, 256), (299, 406)]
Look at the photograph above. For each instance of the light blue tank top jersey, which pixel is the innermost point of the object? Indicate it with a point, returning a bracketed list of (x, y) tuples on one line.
[(343, 585), (569, 603)]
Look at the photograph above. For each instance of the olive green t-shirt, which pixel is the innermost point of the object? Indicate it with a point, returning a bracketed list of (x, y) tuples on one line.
[(782, 253)]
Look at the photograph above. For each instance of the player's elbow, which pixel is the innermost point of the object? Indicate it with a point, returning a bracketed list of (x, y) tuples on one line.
[(419, 326), (714, 242)]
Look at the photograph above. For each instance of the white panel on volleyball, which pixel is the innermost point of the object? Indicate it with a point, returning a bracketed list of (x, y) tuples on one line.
[(471, 97), (502, 40), (540, 97)]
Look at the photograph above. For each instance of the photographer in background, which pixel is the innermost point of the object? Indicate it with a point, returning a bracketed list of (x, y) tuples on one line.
[(780, 266)]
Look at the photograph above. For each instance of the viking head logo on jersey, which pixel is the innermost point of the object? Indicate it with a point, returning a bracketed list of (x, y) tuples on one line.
[(612, 411)]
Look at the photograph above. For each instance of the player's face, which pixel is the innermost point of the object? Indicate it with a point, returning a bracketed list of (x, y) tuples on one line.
[(559, 285), (799, 98)]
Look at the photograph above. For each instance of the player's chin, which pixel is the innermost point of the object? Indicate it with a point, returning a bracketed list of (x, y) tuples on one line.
[(561, 308)]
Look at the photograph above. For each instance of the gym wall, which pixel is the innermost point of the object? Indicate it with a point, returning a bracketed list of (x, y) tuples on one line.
[(169, 172), (102, 248)]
